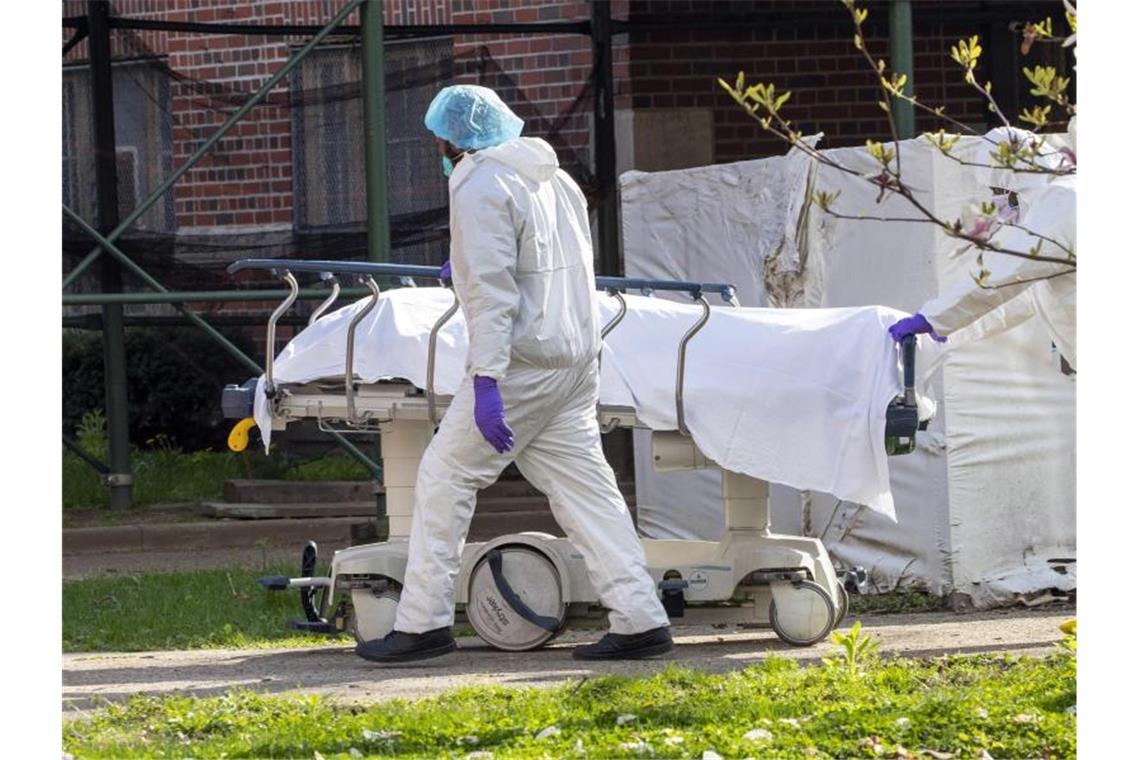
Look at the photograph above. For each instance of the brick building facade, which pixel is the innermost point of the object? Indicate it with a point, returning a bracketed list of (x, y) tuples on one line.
[(292, 172)]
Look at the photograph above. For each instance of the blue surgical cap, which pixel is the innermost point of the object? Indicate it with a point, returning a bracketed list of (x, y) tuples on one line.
[(471, 117)]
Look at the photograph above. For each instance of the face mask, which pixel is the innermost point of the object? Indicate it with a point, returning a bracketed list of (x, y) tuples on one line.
[(448, 166)]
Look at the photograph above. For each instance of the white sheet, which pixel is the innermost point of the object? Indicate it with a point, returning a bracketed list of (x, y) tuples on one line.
[(738, 223), (989, 491), (796, 397)]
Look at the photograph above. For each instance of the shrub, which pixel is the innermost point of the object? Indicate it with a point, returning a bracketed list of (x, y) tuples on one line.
[(175, 377)]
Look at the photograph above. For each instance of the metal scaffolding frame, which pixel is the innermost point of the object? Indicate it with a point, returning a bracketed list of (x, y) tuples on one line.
[(96, 27)]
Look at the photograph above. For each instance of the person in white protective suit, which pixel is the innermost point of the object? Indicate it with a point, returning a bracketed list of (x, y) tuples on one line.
[(1046, 217), (522, 265)]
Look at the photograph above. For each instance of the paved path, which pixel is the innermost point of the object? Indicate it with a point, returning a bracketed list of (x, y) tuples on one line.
[(88, 679)]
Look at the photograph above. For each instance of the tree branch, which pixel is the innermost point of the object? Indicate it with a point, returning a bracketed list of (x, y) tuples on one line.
[(1028, 281), (1039, 236)]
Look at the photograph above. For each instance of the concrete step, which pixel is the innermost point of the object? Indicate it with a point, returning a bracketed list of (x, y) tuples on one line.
[(488, 525), (338, 491), (256, 534), (519, 488), (249, 511), (521, 503), (295, 491)]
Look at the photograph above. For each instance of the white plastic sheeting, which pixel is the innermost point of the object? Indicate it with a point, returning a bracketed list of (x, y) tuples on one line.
[(988, 496), (741, 219), (790, 396)]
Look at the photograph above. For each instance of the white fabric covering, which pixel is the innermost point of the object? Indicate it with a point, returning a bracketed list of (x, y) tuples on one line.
[(521, 259), (988, 495), (790, 396)]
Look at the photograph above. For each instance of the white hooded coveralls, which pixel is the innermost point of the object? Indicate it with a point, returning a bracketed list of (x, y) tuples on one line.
[(1048, 207), (522, 266)]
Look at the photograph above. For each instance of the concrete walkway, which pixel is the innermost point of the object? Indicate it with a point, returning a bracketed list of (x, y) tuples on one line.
[(89, 679)]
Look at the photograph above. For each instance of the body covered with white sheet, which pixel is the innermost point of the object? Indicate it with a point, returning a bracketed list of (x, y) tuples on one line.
[(791, 396)]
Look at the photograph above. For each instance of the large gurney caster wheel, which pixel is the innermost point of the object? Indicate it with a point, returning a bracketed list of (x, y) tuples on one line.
[(374, 609), (843, 605), (515, 599), (801, 613)]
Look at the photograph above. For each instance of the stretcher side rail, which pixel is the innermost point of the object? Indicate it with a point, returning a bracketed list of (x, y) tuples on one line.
[(350, 350), (334, 293), (271, 333), (615, 287), (365, 272)]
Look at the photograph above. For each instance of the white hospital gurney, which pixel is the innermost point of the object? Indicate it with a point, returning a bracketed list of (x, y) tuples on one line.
[(519, 591)]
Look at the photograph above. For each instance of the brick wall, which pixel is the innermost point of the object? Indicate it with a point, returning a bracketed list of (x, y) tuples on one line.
[(247, 179), (544, 78), (834, 90)]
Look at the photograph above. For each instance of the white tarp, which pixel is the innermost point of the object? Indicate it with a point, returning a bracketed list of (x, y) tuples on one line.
[(789, 396), (989, 494)]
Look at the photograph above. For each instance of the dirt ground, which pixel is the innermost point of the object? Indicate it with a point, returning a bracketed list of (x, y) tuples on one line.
[(90, 679), (77, 566)]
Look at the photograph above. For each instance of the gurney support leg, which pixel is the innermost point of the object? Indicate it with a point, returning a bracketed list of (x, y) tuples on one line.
[(745, 503), (402, 446)]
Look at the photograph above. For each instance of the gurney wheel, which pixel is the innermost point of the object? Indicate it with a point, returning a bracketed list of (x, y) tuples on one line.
[(515, 599), (808, 613), (374, 610), (843, 606)]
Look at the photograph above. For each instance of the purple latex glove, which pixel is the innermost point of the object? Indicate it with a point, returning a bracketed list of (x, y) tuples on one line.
[(489, 415), (445, 270), (915, 324)]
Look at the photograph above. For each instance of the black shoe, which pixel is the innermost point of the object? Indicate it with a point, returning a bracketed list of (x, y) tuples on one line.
[(398, 646), (633, 646)]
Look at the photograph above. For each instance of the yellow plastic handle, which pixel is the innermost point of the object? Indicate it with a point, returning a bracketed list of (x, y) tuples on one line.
[(239, 436)]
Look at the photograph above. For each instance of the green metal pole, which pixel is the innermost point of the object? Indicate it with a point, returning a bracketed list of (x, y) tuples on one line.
[(141, 274), (357, 454), (218, 337), (205, 147), (375, 128), (119, 478), (91, 461), (375, 166), (902, 62)]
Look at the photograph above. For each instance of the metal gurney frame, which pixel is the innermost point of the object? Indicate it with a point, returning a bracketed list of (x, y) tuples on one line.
[(520, 590)]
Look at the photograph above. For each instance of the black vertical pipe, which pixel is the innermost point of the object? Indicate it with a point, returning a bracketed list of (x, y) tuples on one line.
[(107, 194), (605, 148)]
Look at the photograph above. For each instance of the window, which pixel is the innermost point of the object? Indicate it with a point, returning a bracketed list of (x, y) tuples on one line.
[(78, 147), (142, 142), (328, 131)]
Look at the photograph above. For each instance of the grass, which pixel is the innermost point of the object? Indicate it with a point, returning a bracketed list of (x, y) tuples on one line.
[(190, 610), (165, 474), (962, 705), (896, 601), (227, 608)]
